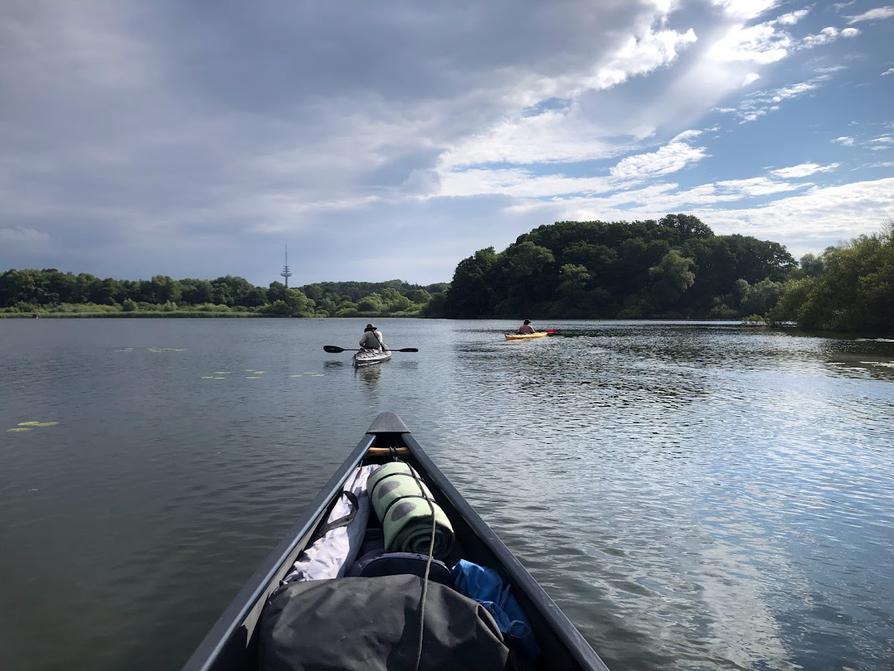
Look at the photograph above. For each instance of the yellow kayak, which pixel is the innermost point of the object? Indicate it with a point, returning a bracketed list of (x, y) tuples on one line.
[(526, 336)]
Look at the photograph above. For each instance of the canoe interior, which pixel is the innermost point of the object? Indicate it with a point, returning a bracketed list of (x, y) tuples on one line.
[(231, 645)]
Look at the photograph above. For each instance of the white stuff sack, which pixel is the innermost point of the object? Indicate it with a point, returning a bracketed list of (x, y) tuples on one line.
[(331, 554)]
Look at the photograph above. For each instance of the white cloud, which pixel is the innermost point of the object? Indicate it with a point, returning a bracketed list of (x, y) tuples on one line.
[(792, 18), (804, 170), (516, 182), (667, 159), (750, 78), (639, 56), (882, 142), (830, 212), (553, 136), (889, 71), (826, 35), (744, 9), (567, 134), (844, 140), (687, 135), (804, 222), (761, 43), (877, 14), (760, 103)]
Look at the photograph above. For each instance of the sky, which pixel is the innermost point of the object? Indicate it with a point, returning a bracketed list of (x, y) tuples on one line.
[(386, 140)]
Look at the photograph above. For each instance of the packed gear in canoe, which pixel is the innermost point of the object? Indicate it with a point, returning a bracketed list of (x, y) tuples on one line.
[(336, 594)]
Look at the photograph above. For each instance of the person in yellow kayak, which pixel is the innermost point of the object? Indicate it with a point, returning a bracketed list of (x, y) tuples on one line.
[(372, 339), (526, 328)]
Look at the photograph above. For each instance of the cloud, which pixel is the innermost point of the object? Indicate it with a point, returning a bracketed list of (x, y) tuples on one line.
[(638, 56), (804, 222), (745, 9), (761, 43), (844, 140), (22, 235), (173, 137), (760, 103), (516, 182), (792, 18), (827, 35), (567, 133), (804, 170), (553, 136), (667, 159), (876, 14), (889, 71), (882, 142)]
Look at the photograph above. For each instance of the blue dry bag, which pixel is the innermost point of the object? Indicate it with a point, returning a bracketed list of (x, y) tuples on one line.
[(487, 588)]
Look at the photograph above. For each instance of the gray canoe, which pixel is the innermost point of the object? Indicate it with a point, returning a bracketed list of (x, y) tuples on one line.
[(232, 643)]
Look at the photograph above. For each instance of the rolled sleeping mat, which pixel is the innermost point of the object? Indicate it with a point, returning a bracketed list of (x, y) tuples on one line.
[(401, 503)]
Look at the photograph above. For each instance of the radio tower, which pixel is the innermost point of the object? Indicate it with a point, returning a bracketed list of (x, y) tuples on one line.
[(286, 273)]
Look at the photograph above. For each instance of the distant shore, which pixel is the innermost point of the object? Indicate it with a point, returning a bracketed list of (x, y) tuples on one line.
[(127, 315), (182, 314)]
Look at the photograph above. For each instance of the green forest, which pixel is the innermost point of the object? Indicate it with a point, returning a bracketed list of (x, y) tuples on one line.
[(26, 292), (675, 267)]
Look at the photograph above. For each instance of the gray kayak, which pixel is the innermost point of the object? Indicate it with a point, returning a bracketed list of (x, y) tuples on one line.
[(370, 357)]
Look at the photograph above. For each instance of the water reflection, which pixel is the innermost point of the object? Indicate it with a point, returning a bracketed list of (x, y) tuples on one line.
[(370, 375)]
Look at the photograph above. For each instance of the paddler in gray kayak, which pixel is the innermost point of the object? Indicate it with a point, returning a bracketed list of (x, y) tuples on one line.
[(372, 339)]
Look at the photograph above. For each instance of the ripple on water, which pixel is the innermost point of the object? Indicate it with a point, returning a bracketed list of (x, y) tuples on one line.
[(692, 495)]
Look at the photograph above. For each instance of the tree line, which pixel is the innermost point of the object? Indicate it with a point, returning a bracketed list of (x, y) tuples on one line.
[(29, 291), (675, 267)]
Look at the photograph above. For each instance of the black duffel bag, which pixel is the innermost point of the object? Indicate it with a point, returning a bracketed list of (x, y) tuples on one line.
[(373, 624)]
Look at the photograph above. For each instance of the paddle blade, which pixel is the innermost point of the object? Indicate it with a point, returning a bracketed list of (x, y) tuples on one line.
[(407, 349), (332, 349), (550, 331)]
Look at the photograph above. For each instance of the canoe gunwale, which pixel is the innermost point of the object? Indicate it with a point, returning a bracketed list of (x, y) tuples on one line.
[(577, 646)]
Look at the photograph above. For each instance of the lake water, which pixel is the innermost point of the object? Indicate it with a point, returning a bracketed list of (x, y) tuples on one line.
[(692, 495)]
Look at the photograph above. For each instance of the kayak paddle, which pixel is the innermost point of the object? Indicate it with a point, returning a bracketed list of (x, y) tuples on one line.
[(332, 349)]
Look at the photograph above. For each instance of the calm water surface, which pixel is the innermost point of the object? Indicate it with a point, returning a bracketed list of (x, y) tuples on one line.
[(694, 496)]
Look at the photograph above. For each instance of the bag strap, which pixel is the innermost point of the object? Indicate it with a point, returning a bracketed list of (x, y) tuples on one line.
[(341, 521)]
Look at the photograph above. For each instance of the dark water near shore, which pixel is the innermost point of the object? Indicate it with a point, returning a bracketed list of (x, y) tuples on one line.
[(692, 495)]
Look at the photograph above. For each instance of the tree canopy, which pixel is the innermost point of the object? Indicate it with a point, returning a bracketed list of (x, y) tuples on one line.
[(675, 266)]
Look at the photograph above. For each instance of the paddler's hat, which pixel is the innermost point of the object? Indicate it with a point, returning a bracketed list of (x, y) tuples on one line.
[(369, 327), (527, 321)]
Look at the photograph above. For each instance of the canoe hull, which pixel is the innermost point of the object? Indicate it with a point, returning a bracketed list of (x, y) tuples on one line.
[(231, 645)]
